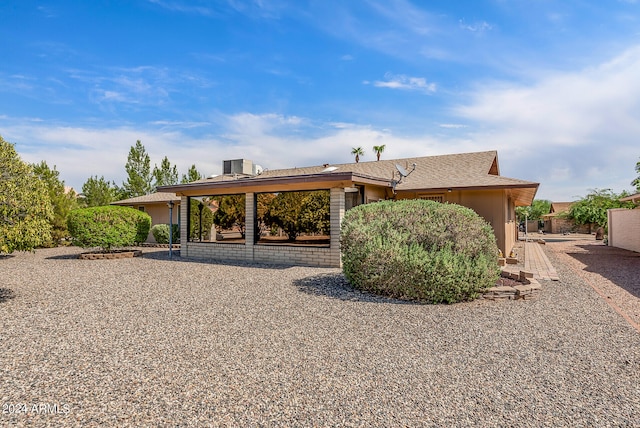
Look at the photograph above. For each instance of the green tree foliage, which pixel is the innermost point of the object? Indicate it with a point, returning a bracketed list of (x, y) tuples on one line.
[(357, 151), (138, 169), (199, 211), (231, 212), (108, 227), (300, 212), (378, 150), (535, 211), (160, 233), (315, 212), (166, 175), (592, 209), (636, 181), (61, 201), (192, 175), (25, 208), (419, 250), (98, 192)]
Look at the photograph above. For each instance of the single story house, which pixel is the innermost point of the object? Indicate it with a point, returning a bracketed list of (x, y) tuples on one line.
[(469, 179), (156, 205), (556, 222)]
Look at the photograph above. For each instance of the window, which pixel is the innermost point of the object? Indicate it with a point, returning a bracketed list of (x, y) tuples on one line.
[(141, 208), (435, 198)]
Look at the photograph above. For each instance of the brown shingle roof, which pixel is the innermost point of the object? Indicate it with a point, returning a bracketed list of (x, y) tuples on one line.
[(454, 171), (157, 197)]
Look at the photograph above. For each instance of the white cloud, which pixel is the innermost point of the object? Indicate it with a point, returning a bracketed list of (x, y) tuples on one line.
[(569, 128), (403, 82), (476, 27)]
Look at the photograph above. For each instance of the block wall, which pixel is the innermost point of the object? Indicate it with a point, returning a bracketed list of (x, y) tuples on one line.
[(624, 228)]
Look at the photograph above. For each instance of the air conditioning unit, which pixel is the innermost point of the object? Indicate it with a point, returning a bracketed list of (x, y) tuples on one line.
[(237, 166)]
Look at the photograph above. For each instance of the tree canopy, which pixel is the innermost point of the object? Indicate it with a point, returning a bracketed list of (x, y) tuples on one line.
[(166, 175), (592, 209), (535, 211), (62, 202), (192, 175), (357, 151), (636, 181), (25, 207), (138, 169), (98, 192)]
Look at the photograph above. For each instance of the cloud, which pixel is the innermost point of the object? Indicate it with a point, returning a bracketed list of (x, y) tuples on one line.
[(476, 27), (408, 83), (564, 125), (269, 139)]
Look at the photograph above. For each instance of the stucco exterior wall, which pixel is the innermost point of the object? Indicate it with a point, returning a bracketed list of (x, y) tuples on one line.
[(159, 213), (492, 205), (624, 228)]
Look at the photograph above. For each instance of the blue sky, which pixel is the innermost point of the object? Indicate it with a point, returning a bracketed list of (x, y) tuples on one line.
[(554, 86)]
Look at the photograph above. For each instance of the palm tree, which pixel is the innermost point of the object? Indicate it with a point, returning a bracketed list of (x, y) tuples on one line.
[(358, 152), (379, 150)]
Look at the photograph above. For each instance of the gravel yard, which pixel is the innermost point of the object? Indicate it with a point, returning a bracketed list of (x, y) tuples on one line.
[(153, 342)]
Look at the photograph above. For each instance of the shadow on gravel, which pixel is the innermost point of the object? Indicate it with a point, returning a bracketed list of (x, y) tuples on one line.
[(336, 286), (164, 255), (622, 267), (6, 294), (64, 257)]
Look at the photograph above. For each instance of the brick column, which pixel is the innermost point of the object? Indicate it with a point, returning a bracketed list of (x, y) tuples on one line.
[(250, 225), (184, 224), (336, 212)]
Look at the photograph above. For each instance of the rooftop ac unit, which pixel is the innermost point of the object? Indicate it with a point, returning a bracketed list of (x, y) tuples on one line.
[(237, 166)]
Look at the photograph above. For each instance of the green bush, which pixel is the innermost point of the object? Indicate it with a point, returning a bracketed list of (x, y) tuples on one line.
[(108, 227), (419, 250), (161, 233)]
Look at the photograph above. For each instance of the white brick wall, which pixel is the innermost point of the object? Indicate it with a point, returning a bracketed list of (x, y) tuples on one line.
[(624, 228)]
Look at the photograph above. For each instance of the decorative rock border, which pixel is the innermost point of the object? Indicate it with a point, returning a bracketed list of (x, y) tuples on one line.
[(156, 245), (117, 254), (527, 287)]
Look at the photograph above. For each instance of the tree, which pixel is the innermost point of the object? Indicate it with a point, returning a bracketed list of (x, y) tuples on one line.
[(315, 212), (138, 172), (379, 150), (300, 212), (535, 211), (25, 208), (592, 209), (358, 152), (231, 212), (636, 181), (166, 175), (192, 175), (61, 201), (98, 192)]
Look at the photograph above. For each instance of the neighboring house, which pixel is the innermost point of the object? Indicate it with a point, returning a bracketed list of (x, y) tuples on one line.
[(624, 225), (557, 222), (155, 204), (469, 179)]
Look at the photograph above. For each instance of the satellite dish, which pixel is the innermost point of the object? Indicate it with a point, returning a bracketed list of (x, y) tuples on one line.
[(403, 172)]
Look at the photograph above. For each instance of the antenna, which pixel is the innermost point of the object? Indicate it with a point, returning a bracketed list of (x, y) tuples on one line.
[(403, 172)]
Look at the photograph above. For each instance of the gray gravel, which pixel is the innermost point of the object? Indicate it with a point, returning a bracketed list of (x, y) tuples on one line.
[(153, 342)]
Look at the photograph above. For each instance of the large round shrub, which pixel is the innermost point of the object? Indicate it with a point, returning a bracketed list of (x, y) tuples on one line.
[(160, 233), (419, 250), (108, 227)]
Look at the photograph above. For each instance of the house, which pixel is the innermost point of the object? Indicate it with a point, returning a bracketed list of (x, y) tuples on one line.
[(155, 204), (557, 222), (624, 225), (469, 179)]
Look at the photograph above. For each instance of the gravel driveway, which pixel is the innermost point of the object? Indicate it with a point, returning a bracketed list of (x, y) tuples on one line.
[(153, 342)]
